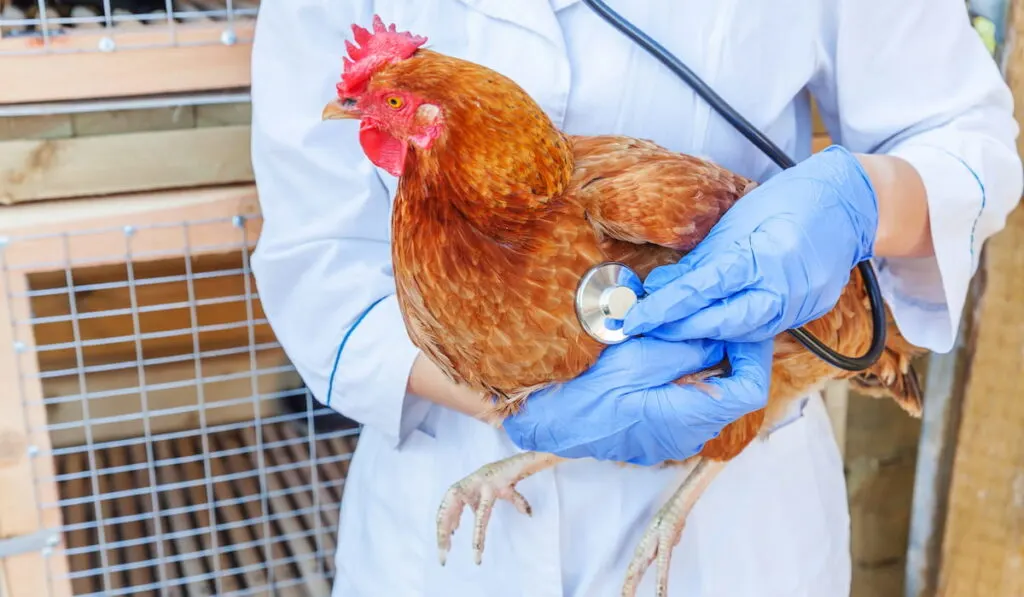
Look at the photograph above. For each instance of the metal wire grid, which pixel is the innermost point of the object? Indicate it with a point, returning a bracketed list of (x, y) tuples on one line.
[(178, 500), (108, 25)]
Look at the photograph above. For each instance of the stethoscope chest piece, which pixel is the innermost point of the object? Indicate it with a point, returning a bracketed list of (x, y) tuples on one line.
[(603, 297)]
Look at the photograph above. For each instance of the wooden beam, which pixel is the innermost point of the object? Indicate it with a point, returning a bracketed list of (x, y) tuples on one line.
[(940, 425), (188, 59), (983, 544), (63, 215), (836, 397), (227, 385), (119, 122), (51, 126), (25, 476), (33, 170), (982, 547)]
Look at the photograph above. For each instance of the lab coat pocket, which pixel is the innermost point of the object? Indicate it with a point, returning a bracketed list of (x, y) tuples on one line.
[(387, 525)]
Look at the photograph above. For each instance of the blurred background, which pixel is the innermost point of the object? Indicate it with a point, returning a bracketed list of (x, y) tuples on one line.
[(153, 433)]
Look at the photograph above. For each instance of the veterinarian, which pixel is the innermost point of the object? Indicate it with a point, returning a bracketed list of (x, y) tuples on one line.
[(908, 82)]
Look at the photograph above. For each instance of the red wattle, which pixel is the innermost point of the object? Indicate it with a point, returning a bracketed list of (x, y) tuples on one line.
[(382, 149)]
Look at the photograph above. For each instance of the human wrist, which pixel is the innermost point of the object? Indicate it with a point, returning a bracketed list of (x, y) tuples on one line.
[(855, 191), (904, 224), (427, 381)]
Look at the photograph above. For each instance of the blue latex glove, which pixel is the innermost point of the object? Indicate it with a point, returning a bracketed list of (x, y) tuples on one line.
[(625, 408), (779, 258)]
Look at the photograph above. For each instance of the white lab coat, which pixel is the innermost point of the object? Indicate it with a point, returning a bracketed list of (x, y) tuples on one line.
[(907, 78)]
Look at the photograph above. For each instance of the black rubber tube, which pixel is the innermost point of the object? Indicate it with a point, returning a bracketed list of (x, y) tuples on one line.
[(777, 155)]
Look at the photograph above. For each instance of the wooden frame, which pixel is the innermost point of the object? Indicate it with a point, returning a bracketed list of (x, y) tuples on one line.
[(187, 58), (29, 574), (966, 537), (61, 156), (40, 169)]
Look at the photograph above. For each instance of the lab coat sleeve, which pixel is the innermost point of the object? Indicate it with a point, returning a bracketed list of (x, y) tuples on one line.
[(912, 79), (322, 263)]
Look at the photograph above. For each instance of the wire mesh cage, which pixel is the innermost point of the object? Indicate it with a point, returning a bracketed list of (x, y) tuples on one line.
[(76, 49), (154, 438)]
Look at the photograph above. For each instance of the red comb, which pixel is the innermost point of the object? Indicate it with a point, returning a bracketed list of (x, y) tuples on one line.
[(385, 45)]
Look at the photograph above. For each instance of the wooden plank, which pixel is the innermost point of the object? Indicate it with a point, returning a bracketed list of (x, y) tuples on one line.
[(150, 208), (836, 398), (203, 505), (940, 424), (164, 311), (174, 408), (76, 71), (22, 423), (155, 528), (247, 487), (54, 126), (78, 514), (114, 580), (983, 545), (187, 544), (881, 450), (113, 122), (239, 113), (108, 164), (281, 508), (983, 540)]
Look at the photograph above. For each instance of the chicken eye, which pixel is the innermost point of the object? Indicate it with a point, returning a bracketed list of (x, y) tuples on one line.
[(395, 102)]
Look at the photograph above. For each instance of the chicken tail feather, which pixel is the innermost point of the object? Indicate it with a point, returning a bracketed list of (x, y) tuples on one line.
[(903, 387)]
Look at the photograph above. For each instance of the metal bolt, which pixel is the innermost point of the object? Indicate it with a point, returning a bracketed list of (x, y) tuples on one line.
[(53, 540), (33, 451), (19, 347), (129, 230), (228, 37), (238, 221), (107, 44)]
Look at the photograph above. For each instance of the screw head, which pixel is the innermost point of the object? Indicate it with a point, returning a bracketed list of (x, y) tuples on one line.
[(19, 347), (107, 44), (228, 37), (238, 221), (33, 451), (129, 230)]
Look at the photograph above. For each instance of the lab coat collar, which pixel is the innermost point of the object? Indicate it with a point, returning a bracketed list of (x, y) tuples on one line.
[(537, 16)]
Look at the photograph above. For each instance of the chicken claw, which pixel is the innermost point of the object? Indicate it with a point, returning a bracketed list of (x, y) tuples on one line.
[(663, 533), (480, 491)]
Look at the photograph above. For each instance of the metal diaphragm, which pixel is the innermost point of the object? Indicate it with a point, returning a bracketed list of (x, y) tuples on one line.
[(603, 297)]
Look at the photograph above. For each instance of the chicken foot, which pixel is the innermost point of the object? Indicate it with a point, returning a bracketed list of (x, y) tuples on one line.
[(480, 491), (666, 528)]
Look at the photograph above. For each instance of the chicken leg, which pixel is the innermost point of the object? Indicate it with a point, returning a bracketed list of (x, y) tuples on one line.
[(480, 490), (666, 528)]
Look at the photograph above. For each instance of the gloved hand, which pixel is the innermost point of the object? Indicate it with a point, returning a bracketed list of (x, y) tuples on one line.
[(779, 258), (626, 408)]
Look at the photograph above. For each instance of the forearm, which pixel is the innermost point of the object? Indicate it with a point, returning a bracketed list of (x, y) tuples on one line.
[(904, 228), (427, 381)]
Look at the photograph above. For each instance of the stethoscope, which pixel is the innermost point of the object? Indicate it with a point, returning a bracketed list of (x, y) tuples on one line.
[(607, 291)]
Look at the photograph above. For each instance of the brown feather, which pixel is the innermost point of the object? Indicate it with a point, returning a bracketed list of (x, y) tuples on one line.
[(494, 226)]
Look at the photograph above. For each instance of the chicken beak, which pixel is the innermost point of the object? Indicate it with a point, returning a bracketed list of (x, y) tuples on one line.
[(341, 110)]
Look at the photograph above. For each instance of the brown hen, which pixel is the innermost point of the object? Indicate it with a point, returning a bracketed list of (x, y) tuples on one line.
[(498, 214)]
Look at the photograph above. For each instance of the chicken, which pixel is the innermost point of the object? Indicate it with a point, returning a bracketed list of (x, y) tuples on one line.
[(498, 214)]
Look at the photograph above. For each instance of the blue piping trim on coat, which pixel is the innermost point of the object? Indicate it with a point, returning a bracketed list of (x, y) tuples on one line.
[(918, 303), (344, 341), (981, 185)]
